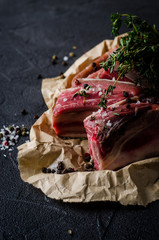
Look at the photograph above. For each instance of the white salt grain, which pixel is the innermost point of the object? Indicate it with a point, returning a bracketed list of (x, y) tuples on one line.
[(109, 124), (65, 58)]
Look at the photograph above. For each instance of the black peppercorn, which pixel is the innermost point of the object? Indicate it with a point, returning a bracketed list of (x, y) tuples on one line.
[(93, 64), (18, 132), (64, 63), (88, 166), (23, 111), (53, 171), (39, 76), (44, 170), (48, 170), (36, 116), (60, 166), (125, 94), (6, 132), (87, 157), (69, 170), (128, 106), (13, 140)]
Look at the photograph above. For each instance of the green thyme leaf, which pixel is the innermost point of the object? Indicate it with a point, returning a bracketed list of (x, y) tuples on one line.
[(92, 118), (88, 87), (83, 93), (77, 93), (117, 114)]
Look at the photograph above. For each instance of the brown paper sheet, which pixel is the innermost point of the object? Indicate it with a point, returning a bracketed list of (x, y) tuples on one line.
[(137, 183)]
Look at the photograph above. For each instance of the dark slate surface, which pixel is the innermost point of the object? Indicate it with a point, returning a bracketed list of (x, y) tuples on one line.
[(31, 32)]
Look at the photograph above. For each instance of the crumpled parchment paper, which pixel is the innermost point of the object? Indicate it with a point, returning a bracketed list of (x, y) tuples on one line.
[(137, 183)]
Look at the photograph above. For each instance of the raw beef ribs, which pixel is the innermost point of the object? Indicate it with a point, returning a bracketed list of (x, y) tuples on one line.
[(122, 135), (76, 103)]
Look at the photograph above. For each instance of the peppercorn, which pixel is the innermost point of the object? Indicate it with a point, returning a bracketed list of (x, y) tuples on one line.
[(54, 57), (24, 133), (39, 76), (77, 82), (18, 132), (24, 129), (6, 132), (44, 170), (6, 143), (64, 63), (70, 232), (125, 94), (88, 166), (60, 166), (53, 61), (71, 54), (23, 111), (93, 64), (53, 171), (95, 69), (128, 106), (36, 116), (11, 128), (13, 140), (48, 170), (87, 157)]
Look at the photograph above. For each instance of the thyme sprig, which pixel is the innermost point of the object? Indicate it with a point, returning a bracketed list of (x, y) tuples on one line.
[(81, 93), (103, 99), (138, 51)]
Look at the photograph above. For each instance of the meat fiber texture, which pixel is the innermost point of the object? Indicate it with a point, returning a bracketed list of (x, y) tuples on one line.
[(136, 183), (71, 108), (123, 135)]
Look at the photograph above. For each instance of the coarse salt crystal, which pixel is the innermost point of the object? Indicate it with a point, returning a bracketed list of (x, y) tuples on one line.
[(138, 102), (65, 58), (109, 124), (65, 99), (100, 93), (113, 79), (99, 89)]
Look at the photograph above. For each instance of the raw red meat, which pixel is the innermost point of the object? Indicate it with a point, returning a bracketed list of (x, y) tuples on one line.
[(127, 134), (71, 108), (93, 66)]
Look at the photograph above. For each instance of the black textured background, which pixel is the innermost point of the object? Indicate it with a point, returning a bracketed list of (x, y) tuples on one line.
[(31, 32)]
